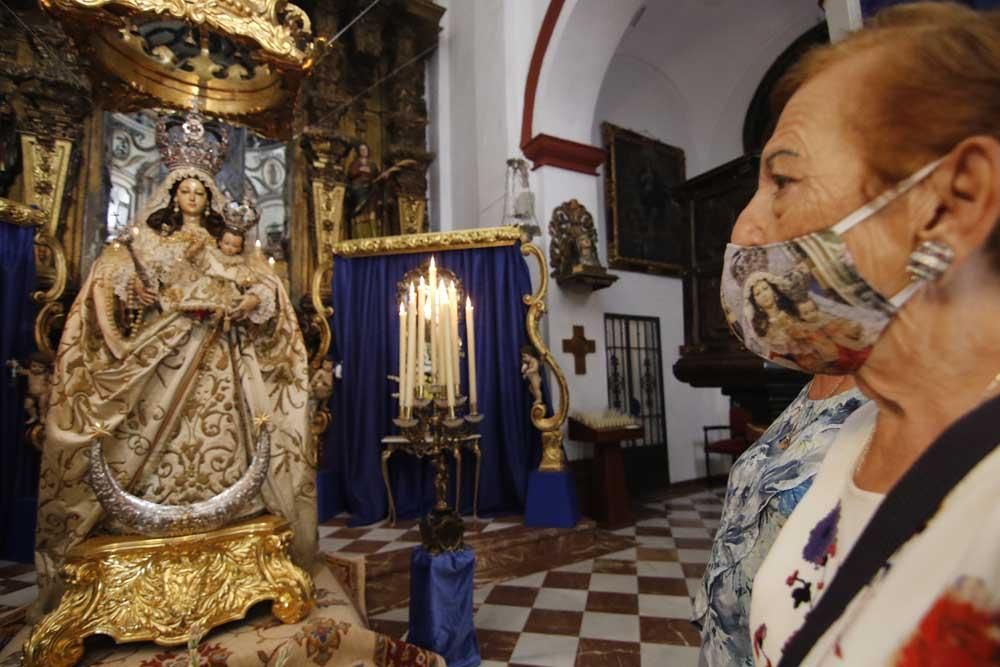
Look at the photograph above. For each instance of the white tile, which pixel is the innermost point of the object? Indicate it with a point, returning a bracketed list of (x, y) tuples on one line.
[(561, 599), (694, 585), (657, 568), (331, 544), (627, 554), (665, 606), (690, 532), (480, 594), (659, 655), (502, 617), (545, 650), (693, 555), (682, 514), (655, 522), (583, 566), (19, 598), (620, 627), (655, 506), (398, 614), (27, 577), (492, 663), (614, 583), (531, 581), (711, 523), (384, 534), (627, 531), (5, 563), (656, 541)]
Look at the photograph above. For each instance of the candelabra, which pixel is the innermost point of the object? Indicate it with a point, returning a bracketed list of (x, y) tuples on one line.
[(431, 428)]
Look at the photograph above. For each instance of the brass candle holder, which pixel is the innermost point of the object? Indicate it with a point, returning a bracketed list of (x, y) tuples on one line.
[(432, 428)]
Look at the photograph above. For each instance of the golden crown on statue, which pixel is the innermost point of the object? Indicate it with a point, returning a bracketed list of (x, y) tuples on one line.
[(190, 143), (240, 215)]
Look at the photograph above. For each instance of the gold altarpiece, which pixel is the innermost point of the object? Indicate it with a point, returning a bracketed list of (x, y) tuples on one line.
[(64, 66)]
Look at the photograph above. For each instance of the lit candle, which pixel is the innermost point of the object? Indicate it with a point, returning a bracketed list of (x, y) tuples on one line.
[(432, 300), (453, 320), (270, 262), (411, 344), (442, 322), (421, 306), (256, 245), (449, 371), (470, 336), (402, 357)]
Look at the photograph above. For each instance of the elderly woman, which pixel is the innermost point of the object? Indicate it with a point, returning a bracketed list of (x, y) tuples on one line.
[(882, 182), (765, 485)]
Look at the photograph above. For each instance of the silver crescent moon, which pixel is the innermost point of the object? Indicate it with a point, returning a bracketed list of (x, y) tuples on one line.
[(156, 520)]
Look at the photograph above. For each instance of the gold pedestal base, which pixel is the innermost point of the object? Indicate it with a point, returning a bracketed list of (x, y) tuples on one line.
[(167, 590)]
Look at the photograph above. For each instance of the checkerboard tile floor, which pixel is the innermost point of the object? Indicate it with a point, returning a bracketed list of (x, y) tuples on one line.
[(626, 608), (336, 536)]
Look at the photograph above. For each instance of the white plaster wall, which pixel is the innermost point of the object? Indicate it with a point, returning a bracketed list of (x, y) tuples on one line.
[(476, 94), (685, 75)]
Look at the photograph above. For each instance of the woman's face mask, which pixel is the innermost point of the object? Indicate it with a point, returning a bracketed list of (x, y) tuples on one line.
[(802, 304)]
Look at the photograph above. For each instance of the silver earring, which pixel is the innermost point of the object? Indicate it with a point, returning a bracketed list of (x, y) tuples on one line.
[(930, 260)]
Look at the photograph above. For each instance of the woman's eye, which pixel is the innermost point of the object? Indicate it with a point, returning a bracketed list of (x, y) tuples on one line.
[(781, 181)]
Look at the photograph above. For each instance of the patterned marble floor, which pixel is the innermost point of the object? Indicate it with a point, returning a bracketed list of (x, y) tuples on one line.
[(624, 608)]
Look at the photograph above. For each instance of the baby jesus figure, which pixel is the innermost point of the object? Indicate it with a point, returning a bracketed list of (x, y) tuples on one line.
[(234, 279)]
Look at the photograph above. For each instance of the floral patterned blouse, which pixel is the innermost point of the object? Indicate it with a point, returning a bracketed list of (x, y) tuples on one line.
[(765, 485), (935, 602)]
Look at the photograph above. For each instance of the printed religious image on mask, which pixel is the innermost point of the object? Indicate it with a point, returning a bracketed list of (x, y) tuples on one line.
[(802, 304)]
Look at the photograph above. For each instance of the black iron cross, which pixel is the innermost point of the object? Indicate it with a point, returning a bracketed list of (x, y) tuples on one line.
[(579, 346)]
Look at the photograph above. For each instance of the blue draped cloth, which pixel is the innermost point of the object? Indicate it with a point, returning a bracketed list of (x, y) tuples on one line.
[(366, 339), (18, 459), (441, 605)]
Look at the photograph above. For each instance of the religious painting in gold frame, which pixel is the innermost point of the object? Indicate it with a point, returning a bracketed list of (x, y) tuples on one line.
[(647, 231)]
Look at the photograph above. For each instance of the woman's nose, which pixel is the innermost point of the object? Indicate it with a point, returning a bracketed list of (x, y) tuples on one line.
[(749, 227)]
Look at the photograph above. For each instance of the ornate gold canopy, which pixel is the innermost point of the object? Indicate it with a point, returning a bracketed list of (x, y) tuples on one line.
[(244, 59)]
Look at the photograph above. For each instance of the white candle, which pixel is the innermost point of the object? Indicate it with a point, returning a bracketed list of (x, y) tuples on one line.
[(432, 299), (421, 295), (470, 336), (411, 344), (442, 320), (402, 357), (453, 315), (449, 370)]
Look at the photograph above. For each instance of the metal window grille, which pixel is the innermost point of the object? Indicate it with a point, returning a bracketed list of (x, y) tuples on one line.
[(635, 375)]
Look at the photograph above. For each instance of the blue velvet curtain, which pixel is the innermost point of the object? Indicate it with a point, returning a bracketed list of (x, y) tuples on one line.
[(18, 459), (871, 7), (366, 337)]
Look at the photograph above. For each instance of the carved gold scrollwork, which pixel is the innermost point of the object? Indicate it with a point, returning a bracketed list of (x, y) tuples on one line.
[(56, 259), (411, 214), (16, 213), (328, 204), (274, 24), (551, 427), (46, 166), (487, 237), (139, 589)]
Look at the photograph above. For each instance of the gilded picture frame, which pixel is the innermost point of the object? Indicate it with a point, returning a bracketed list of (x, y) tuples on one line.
[(646, 222)]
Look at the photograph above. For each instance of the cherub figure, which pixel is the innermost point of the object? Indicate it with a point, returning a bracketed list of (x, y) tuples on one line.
[(36, 400), (530, 371), (321, 382)]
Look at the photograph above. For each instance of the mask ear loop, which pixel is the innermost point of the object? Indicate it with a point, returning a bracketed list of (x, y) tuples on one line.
[(884, 199)]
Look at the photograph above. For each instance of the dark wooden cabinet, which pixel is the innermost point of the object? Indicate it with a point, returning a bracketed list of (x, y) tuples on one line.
[(711, 355)]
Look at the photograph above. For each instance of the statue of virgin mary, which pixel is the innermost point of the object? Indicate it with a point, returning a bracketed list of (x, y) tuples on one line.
[(174, 375)]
